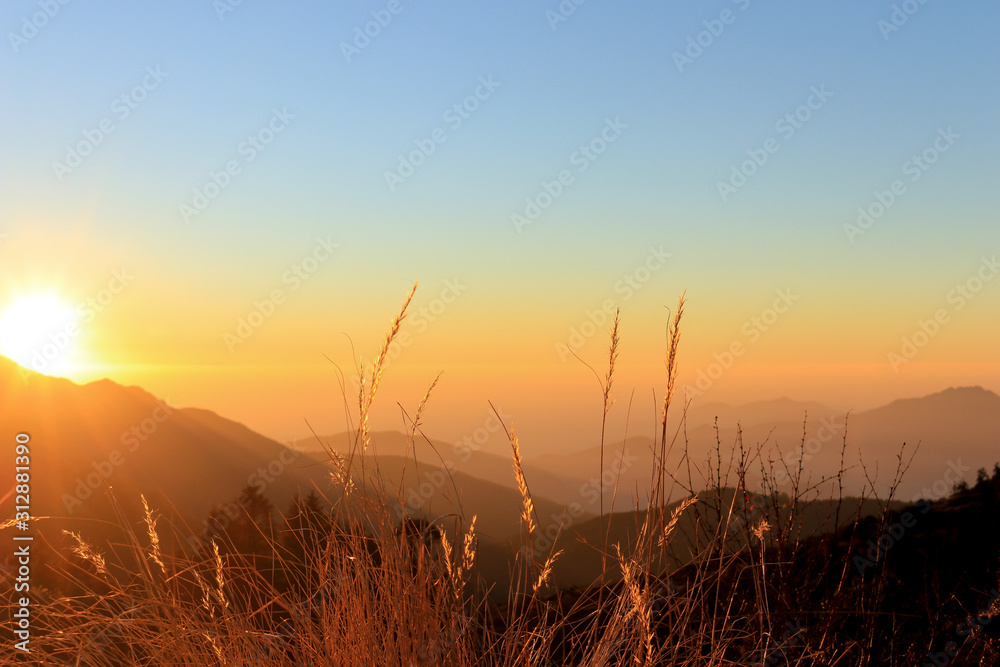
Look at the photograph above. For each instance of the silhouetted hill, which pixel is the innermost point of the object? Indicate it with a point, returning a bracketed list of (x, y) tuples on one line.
[(494, 466), (914, 585), (84, 437), (627, 472), (431, 491), (727, 512)]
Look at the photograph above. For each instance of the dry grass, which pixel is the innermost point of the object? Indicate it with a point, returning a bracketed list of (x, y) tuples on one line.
[(380, 590)]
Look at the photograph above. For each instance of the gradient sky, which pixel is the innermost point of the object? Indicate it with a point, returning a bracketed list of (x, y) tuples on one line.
[(892, 94)]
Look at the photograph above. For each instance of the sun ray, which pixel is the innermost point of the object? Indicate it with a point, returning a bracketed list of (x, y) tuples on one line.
[(40, 332)]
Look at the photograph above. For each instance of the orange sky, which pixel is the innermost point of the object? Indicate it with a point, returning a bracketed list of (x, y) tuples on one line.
[(500, 343)]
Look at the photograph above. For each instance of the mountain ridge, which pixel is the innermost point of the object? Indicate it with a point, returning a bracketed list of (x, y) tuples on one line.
[(957, 427)]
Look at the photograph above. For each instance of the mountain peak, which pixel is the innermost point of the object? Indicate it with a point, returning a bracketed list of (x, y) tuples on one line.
[(974, 394), (953, 403), (974, 390)]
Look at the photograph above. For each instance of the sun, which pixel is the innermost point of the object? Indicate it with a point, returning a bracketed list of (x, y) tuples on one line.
[(40, 332)]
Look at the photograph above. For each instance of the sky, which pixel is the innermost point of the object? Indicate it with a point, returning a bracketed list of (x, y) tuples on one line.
[(234, 197)]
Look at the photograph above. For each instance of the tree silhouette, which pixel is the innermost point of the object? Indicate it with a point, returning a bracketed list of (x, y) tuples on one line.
[(245, 525), (307, 527)]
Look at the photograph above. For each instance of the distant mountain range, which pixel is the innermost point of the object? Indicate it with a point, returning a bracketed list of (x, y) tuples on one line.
[(954, 432), (85, 438)]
